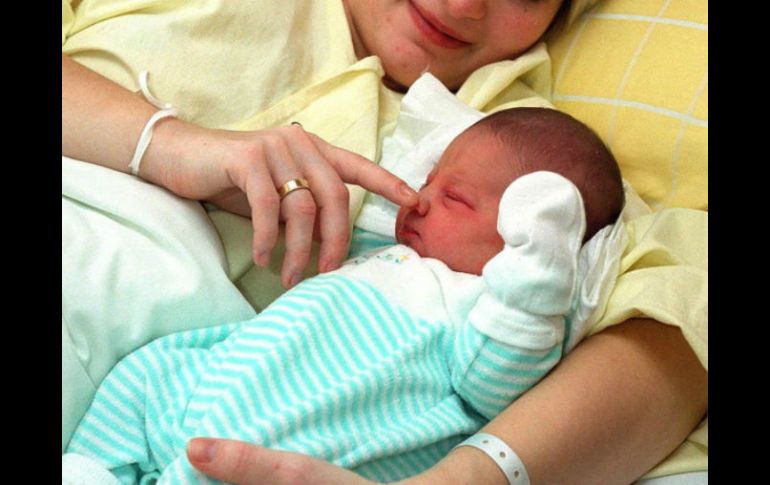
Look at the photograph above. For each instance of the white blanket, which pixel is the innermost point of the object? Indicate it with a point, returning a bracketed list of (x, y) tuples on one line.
[(137, 263)]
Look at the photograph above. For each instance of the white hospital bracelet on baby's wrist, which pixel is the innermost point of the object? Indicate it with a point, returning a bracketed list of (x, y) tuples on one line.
[(505, 458), (166, 110)]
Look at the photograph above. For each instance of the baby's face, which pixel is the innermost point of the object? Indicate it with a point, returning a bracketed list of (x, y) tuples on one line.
[(456, 218)]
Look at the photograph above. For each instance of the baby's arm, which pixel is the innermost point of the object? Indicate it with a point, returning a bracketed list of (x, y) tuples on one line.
[(513, 335)]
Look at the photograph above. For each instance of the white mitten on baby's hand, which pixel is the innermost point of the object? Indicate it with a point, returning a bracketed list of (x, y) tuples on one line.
[(531, 282)]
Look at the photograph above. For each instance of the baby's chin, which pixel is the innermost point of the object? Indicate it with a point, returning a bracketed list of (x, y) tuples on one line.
[(410, 243), (460, 267)]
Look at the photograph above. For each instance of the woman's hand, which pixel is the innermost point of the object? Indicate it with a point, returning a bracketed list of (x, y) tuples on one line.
[(246, 464), (241, 171)]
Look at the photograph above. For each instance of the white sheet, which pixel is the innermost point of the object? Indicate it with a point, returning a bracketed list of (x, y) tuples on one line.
[(137, 263)]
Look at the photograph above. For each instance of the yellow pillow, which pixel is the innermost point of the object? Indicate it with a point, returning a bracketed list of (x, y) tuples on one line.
[(636, 71)]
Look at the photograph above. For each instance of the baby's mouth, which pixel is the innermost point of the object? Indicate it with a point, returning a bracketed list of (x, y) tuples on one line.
[(406, 234)]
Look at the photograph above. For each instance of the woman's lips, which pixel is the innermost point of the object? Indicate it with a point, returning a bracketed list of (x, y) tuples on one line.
[(434, 30)]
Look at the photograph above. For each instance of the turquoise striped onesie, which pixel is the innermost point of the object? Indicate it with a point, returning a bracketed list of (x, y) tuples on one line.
[(381, 366)]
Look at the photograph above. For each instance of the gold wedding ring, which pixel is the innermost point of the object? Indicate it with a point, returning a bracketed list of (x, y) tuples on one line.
[(291, 186)]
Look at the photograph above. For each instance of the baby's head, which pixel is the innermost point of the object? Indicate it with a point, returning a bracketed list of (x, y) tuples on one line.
[(456, 218)]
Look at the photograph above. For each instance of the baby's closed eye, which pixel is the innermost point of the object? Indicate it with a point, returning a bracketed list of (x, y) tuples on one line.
[(455, 198)]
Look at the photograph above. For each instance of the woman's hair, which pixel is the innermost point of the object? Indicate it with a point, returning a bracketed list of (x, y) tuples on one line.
[(547, 139)]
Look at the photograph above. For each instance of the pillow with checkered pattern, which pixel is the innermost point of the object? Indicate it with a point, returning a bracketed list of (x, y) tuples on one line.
[(636, 71)]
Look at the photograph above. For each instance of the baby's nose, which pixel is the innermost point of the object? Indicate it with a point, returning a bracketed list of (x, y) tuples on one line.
[(423, 204)]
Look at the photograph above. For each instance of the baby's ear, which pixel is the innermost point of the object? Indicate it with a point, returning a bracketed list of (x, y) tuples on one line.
[(543, 209)]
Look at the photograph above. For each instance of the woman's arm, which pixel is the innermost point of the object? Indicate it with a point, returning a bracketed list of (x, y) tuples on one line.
[(615, 407), (239, 171), (101, 121)]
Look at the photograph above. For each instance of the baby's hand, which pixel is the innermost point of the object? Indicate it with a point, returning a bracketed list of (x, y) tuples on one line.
[(542, 222)]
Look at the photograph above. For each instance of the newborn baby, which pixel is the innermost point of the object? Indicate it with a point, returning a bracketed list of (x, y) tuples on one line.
[(409, 348)]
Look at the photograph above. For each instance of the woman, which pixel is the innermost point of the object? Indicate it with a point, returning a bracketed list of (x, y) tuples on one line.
[(251, 84)]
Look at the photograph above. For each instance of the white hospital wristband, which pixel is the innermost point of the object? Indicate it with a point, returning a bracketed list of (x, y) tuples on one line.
[(505, 458), (166, 110)]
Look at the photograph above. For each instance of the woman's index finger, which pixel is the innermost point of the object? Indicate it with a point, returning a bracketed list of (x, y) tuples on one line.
[(356, 169)]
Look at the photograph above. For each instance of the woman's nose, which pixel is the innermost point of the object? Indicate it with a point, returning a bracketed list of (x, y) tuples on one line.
[(473, 9)]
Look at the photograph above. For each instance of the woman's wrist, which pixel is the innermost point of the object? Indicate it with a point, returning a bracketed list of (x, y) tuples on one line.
[(462, 466), (194, 162), (167, 151)]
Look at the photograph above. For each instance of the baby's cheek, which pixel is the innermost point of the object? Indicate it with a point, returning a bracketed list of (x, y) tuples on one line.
[(487, 251), (466, 259)]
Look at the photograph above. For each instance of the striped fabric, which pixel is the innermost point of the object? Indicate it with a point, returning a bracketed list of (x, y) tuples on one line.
[(331, 369), (636, 71)]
